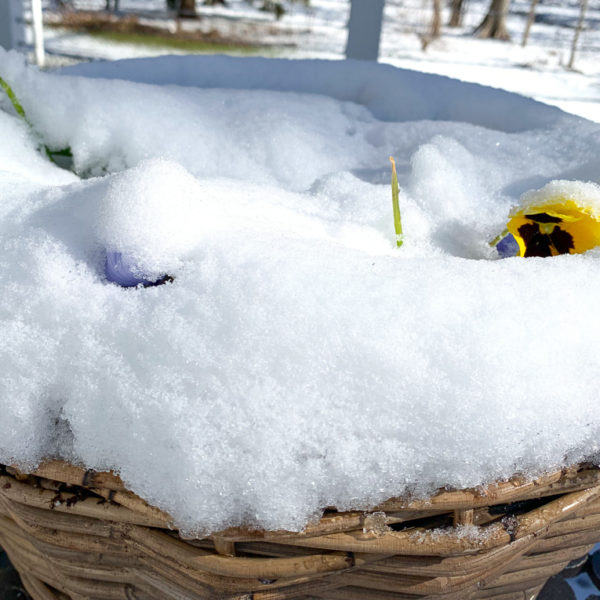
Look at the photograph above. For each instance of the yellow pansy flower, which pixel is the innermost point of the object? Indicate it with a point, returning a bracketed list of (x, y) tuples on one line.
[(563, 217)]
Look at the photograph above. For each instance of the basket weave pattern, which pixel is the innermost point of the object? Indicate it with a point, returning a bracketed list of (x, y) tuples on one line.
[(76, 534)]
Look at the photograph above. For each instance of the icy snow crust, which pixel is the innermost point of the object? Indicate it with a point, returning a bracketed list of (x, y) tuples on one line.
[(298, 360)]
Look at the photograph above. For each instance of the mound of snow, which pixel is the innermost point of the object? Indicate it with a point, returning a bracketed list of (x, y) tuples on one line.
[(390, 94), (298, 359)]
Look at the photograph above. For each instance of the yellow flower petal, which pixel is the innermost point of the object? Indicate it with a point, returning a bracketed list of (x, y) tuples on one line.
[(561, 218)]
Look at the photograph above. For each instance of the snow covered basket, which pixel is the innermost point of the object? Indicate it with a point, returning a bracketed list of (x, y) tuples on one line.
[(211, 303), (80, 534)]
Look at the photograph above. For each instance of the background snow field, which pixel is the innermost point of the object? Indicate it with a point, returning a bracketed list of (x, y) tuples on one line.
[(319, 30), (298, 360)]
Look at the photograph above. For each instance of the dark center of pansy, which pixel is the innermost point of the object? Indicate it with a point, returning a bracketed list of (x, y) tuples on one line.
[(539, 241), (543, 218)]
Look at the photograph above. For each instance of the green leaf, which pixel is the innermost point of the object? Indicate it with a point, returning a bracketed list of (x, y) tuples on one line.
[(64, 152), (396, 204), (11, 96)]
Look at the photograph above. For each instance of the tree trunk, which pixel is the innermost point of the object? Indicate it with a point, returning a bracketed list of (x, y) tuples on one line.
[(494, 23), (530, 21), (456, 13), (187, 9), (580, 23), (436, 21)]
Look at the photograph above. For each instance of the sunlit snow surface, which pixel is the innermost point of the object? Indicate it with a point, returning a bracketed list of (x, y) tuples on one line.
[(298, 360), (319, 30)]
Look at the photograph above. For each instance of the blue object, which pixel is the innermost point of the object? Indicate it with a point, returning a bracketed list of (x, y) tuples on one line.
[(507, 246), (123, 271)]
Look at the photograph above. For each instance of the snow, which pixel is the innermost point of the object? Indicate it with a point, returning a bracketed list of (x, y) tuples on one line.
[(298, 359), (152, 213), (16, 158), (586, 194), (472, 533), (539, 70), (416, 97)]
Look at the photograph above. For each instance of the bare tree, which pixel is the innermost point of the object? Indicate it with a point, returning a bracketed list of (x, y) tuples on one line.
[(456, 13), (435, 28), (494, 23), (187, 9), (436, 20), (530, 20), (578, 29)]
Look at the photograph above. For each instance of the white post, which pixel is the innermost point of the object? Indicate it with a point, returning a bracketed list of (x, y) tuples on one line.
[(364, 29), (38, 32), (12, 30)]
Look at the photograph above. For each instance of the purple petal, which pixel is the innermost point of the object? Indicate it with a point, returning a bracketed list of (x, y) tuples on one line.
[(123, 271), (508, 246)]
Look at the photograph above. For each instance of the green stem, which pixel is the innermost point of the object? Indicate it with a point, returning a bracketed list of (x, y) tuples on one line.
[(497, 239), (21, 112), (11, 96), (396, 203)]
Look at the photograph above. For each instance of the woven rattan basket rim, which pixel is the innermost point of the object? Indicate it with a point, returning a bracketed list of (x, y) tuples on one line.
[(577, 478), (58, 518)]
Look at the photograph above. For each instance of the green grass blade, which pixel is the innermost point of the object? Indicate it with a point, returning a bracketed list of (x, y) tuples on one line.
[(65, 152), (396, 203), (11, 96)]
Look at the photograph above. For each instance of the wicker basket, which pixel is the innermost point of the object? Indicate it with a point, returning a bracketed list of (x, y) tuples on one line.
[(79, 534)]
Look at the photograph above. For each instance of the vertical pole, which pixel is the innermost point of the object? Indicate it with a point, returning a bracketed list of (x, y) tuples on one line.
[(364, 29), (38, 32), (12, 30)]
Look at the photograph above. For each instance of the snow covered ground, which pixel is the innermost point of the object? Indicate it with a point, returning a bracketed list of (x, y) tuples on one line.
[(538, 71), (298, 359)]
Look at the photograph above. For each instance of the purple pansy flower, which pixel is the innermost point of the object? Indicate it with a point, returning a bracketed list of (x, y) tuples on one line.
[(123, 271)]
